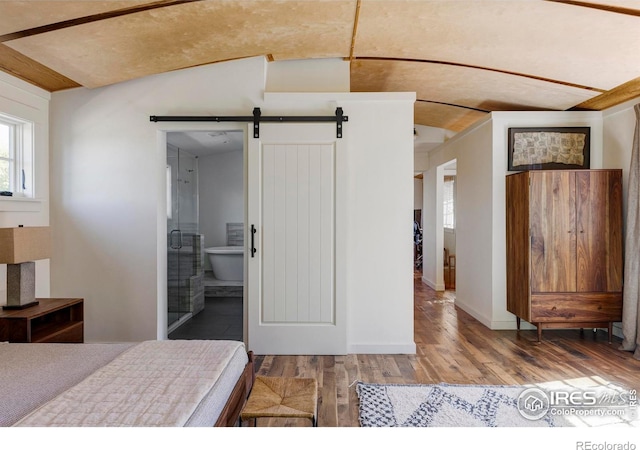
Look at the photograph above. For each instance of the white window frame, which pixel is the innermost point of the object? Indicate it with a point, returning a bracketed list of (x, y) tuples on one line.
[(21, 156)]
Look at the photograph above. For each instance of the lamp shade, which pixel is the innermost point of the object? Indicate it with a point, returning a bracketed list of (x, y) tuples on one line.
[(23, 244)]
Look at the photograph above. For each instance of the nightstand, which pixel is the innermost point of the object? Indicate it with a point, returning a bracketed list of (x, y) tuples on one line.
[(52, 320)]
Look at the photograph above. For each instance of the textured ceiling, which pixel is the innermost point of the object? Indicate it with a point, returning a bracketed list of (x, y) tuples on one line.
[(463, 58)]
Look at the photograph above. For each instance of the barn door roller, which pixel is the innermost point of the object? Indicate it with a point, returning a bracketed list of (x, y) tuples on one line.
[(257, 117)]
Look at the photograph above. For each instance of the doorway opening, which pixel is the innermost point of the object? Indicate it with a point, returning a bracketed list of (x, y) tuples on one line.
[(417, 222), (449, 174), (205, 234)]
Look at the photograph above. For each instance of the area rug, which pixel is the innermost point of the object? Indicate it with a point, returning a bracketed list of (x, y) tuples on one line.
[(444, 405)]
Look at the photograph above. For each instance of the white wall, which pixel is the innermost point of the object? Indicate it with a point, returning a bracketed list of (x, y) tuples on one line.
[(380, 223), (449, 241), (425, 140), (221, 192), (619, 124), (420, 161), (417, 193), (473, 151), (431, 221), (27, 102), (108, 194), (108, 188), (309, 75), (481, 153)]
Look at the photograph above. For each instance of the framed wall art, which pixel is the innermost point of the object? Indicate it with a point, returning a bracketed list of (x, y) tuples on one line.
[(549, 148)]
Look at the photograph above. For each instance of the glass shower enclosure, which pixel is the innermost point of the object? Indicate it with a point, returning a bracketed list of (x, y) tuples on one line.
[(185, 246)]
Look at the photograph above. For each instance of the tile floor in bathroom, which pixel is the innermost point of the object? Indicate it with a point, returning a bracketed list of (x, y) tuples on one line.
[(220, 319)]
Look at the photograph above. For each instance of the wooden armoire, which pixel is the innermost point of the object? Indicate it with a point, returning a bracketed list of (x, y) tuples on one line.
[(564, 248)]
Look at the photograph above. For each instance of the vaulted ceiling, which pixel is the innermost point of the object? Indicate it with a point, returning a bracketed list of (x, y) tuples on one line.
[(463, 58)]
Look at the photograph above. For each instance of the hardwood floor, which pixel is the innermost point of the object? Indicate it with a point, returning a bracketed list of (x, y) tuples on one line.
[(453, 347)]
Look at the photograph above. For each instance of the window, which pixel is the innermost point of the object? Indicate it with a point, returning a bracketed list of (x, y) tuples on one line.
[(449, 202), (16, 156), (7, 139)]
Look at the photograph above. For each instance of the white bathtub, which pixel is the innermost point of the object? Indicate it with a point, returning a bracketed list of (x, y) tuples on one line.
[(227, 262)]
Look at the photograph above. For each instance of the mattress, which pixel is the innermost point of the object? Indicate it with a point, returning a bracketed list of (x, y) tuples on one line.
[(34, 377), (210, 407), (33, 374)]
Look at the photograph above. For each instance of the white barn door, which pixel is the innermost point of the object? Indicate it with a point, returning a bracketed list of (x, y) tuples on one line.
[(294, 301)]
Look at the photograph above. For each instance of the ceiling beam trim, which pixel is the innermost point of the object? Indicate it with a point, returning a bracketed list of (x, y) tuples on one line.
[(20, 66), (616, 96), (93, 18), (608, 8), (453, 105), (355, 30), (506, 72)]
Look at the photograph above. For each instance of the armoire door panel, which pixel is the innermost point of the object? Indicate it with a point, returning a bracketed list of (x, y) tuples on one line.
[(553, 237), (615, 272), (599, 244), (518, 288)]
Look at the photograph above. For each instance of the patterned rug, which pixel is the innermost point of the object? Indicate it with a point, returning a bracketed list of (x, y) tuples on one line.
[(444, 405)]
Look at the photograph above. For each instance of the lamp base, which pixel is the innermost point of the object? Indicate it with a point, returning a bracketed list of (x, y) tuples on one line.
[(21, 283), (26, 305)]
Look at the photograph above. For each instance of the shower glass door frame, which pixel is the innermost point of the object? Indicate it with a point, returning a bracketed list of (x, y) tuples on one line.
[(184, 259)]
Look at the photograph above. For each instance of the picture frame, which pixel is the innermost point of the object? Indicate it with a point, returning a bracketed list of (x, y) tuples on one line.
[(549, 148)]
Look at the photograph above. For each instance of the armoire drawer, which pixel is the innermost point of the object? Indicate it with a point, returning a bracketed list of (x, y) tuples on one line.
[(576, 307)]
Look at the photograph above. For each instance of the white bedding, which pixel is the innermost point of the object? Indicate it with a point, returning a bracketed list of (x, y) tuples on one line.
[(154, 383), (32, 374)]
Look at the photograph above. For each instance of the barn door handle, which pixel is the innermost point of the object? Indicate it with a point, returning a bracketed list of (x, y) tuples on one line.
[(253, 245)]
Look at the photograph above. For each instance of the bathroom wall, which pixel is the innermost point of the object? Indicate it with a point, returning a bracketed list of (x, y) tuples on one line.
[(221, 196), (184, 190)]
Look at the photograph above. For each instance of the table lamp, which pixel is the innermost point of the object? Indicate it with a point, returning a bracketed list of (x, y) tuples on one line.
[(19, 248)]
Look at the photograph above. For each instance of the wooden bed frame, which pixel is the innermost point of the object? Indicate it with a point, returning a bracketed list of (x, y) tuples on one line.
[(231, 411)]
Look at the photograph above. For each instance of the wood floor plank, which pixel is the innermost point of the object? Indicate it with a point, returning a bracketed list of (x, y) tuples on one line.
[(342, 388), (353, 376), (328, 414), (425, 372), (453, 347), (501, 376)]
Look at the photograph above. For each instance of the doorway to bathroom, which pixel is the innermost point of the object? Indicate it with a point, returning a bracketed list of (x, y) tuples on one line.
[(205, 234)]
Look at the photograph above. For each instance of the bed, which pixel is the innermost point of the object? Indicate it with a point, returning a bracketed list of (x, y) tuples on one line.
[(151, 383)]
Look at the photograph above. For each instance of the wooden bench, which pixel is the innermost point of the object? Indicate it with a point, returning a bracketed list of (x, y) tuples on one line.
[(282, 397)]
